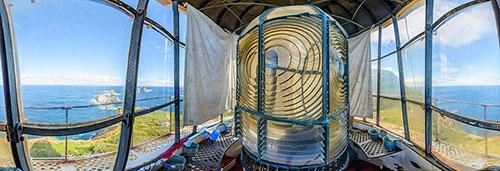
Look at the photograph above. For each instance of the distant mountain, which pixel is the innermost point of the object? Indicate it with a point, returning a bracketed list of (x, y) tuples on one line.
[(389, 83)]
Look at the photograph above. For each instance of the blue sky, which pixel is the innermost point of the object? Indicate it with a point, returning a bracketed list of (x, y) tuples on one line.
[(75, 42), (465, 48)]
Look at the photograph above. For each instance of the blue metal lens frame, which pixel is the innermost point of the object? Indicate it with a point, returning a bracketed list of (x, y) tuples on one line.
[(323, 120)]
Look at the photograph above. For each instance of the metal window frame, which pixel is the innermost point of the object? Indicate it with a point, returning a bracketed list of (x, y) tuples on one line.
[(430, 26), (9, 64), (16, 130), (379, 69), (428, 75), (175, 9), (12, 96), (131, 87), (401, 78)]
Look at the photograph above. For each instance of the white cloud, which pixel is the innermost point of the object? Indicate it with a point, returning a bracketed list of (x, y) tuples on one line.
[(470, 68), (82, 79), (469, 80), (464, 28), (467, 27), (391, 70), (168, 83), (70, 79), (444, 65)]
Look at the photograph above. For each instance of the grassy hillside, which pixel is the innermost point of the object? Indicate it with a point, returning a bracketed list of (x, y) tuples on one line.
[(146, 127), (448, 130)]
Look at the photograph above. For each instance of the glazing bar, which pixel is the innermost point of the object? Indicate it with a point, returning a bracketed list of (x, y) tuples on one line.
[(11, 94), (130, 87), (378, 71), (401, 78), (326, 62), (496, 11), (177, 112), (428, 75)]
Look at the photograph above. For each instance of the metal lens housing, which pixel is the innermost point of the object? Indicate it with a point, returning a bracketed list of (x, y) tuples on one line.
[(292, 88)]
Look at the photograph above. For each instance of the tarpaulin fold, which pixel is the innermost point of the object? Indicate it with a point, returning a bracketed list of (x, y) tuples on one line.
[(360, 86), (209, 77)]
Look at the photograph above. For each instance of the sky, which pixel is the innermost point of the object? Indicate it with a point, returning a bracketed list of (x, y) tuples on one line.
[(465, 47), (75, 42)]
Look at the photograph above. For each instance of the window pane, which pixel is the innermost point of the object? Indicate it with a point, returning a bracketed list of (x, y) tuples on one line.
[(391, 117), (413, 65), (414, 70), (374, 42), (374, 77), (164, 16), (416, 123), (463, 146), (412, 24), (374, 89), (3, 116), (5, 152), (389, 77), (96, 151), (388, 40), (465, 63), (466, 76), (152, 131), (443, 6), (71, 53)]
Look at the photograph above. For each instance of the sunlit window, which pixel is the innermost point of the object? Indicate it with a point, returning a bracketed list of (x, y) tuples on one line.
[(466, 81)]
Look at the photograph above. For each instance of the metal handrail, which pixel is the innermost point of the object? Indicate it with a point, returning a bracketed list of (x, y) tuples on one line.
[(65, 129), (485, 106), (486, 124), (86, 106), (458, 101)]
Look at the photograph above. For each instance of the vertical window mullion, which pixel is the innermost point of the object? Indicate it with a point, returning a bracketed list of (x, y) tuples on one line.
[(378, 71), (130, 87), (12, 92), (401, 78), (428, 75)]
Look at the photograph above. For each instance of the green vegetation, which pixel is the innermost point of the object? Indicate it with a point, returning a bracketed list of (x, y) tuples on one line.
[(448, 130), (5, 154), (146, 127)]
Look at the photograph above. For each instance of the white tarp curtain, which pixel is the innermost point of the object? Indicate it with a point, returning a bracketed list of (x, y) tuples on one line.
[(360, 86), (209, 71)]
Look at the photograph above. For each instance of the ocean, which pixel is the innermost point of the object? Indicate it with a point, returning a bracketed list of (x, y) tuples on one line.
[(58, 95), (63, 95), (478, 94)]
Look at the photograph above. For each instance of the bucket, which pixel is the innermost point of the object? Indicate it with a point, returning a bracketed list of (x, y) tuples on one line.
[(373, 134), (214, 135), (191, 150), (389, 142), (174, 163), (228, 129)]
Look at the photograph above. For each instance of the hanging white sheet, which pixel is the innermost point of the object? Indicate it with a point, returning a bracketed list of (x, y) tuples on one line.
[(360, 87), (209, 77)]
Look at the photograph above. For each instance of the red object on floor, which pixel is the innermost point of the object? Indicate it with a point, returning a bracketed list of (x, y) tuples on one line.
[(237, 166), (360, 165), (170, 151)]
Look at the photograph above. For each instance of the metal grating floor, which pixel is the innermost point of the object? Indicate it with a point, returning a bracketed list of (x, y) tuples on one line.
[(210, 153), (371, 148)]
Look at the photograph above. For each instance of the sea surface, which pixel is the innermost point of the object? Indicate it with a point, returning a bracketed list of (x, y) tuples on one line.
[(58, 95), (63, 95), (478, 94)]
